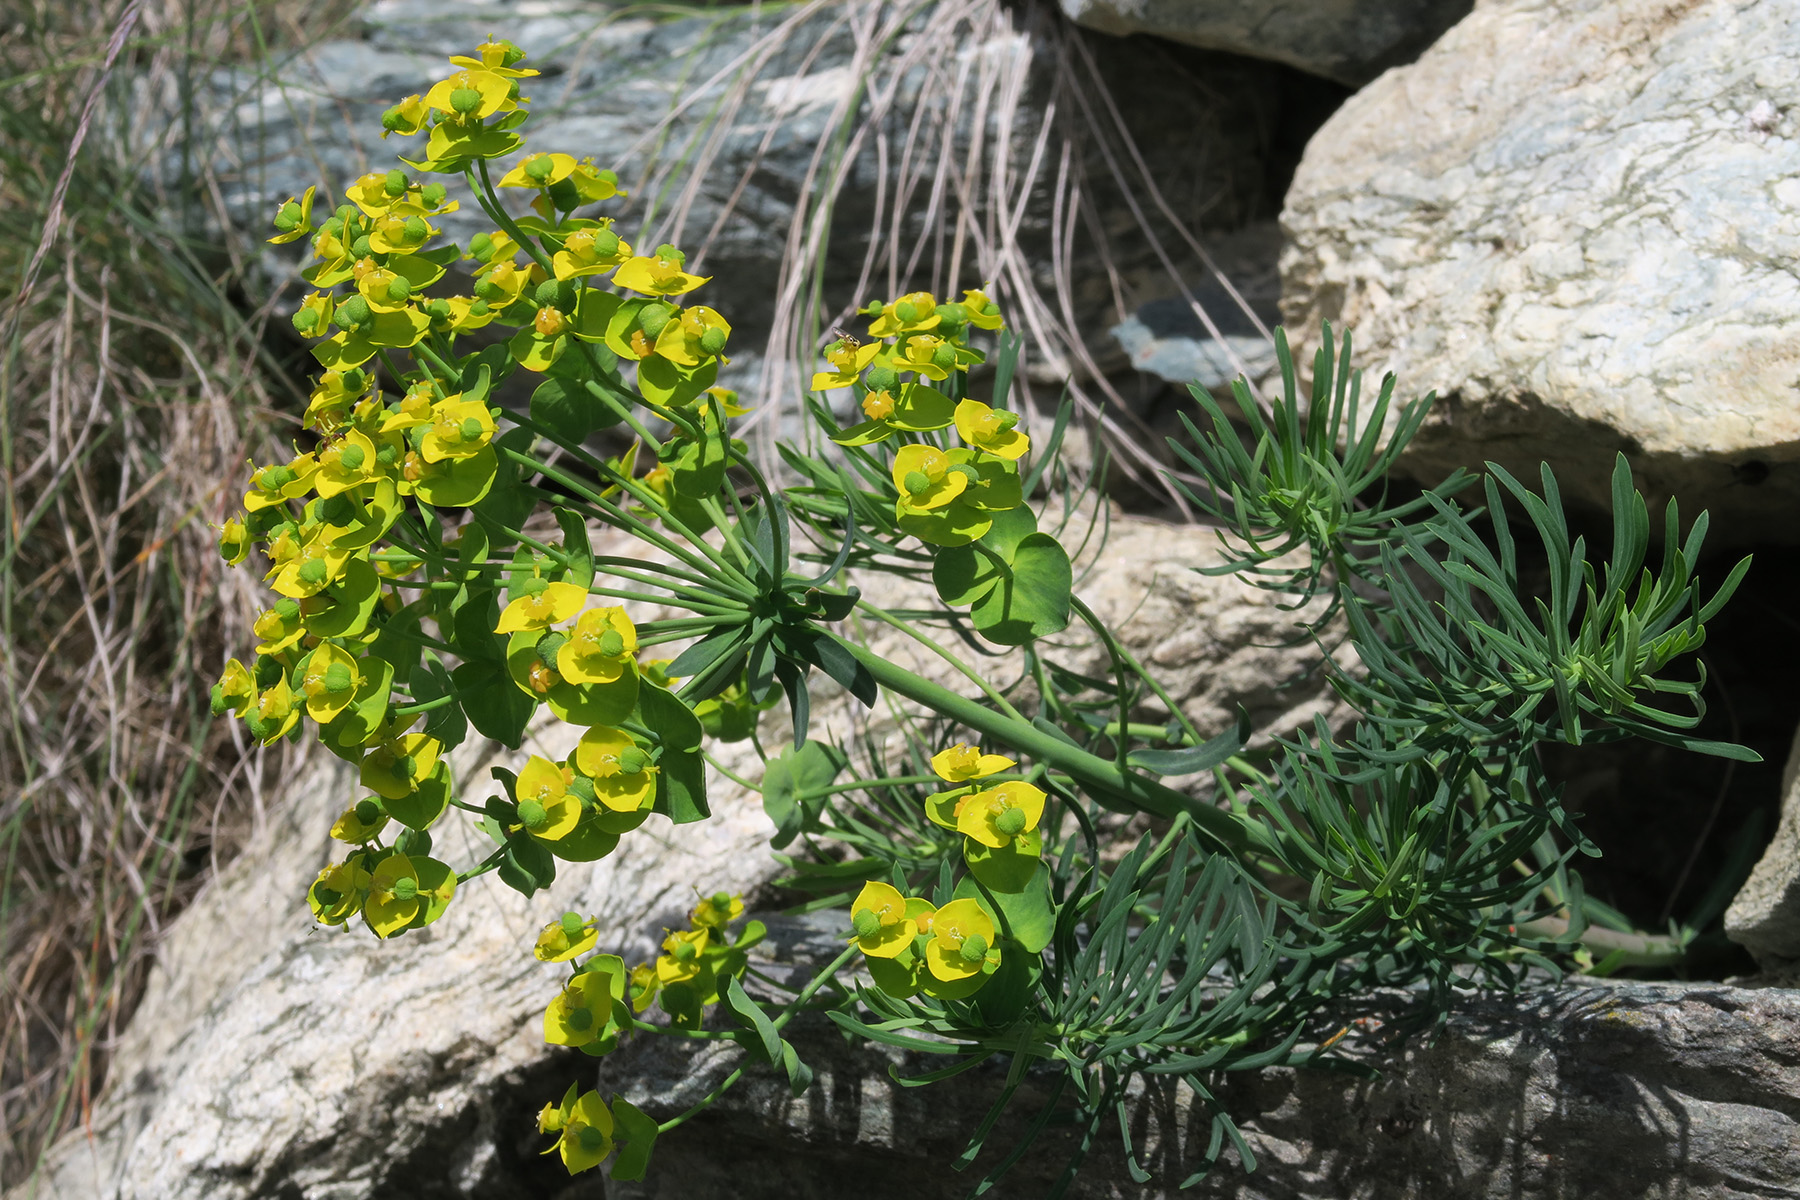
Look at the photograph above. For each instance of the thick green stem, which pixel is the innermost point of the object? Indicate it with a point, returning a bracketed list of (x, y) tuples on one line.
[(1234, 833)]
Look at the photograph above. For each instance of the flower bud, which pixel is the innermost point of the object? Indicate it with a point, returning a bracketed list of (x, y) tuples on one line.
[(395, 184), (606, 243), (416, 229), (368, 812), (352, 457), (882, 379), (1011, 822), (612, 644), (480, 244), (632, 760), (407, 888), (433, 194), (398, 290), (360, 247), (866, 922), (652, 317), (579, 1019), (973, 949), (465, 100), (572, 925), (353, 313), (532, 814), (916, 481), (713, 340)]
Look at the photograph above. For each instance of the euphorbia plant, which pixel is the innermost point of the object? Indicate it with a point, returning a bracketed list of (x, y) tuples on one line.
[(434, 559)]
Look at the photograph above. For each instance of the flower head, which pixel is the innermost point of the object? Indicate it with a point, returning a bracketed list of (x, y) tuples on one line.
[(544, 604), (547, 808), (962, 942), (880, 926), (586, 1137), (991, 430), (621, 770), (659, 274), (926, 478), (999, 815), (717, 911), (961, 763), (564, 938), (601, 648)]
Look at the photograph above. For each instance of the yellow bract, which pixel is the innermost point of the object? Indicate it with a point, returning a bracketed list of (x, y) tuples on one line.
[(600, 649), (914, 312), (962, 762), (539, 171), (393, 899), (472, 95), (656, 276), (997, 816), (620, 768), (459, 429), (562, 940), (550, 604), (924, 478), (717, 911), (337, 894), (586, 1134), (962, 942), (329, 682), (359, 823), (681, 960), (546, 806), (393, 769), (880, 926), (847, 362), (991, 430), (236, 690), (580, 1012)]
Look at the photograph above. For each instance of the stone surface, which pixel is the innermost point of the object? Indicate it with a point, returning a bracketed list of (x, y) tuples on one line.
[(1765, 915), (1575, 220), (271, 1058), (1575, 1092), (1350, 41)]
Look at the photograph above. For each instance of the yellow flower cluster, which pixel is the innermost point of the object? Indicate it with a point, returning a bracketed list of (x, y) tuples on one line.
[(910, 945), (599, 1002), (947, 494), (1003, 817)]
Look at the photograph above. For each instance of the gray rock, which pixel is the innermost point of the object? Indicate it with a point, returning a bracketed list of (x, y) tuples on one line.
[(273, 1058), (1764, 917), (1350, 41), (1567, 1093), (1575, 220)]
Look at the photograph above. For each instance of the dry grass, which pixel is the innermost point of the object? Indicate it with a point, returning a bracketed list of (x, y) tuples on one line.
[(131, 390), (133, 385)]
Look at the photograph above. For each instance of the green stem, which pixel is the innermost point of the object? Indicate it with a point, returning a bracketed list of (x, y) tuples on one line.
[(1091, 771)]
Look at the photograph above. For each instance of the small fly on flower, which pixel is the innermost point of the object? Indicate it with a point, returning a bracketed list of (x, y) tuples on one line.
[(847, 340)]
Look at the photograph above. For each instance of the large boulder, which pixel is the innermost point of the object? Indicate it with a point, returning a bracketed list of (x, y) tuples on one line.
[(1765, 915), (273, 1058), (1350, 41), (1575, 220)]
